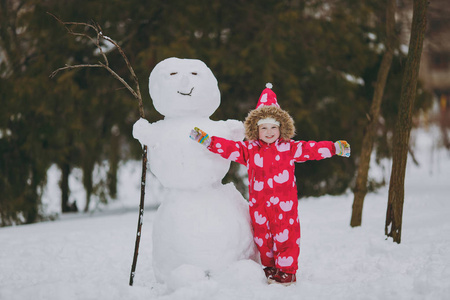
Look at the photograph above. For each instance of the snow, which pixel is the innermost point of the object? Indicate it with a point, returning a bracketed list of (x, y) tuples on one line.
[(353, 79), (198, 243), (89, 256)]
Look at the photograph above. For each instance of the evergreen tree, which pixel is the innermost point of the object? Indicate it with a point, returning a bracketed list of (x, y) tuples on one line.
[(321, 56)]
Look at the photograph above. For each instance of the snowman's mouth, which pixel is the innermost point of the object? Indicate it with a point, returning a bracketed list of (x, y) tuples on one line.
[(186, 94)]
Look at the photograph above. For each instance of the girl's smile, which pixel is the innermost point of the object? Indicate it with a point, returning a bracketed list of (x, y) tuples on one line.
[(268, 133)]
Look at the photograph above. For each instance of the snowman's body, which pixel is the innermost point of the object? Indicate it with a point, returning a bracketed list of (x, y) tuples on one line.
[(190, 166), (200, 222)]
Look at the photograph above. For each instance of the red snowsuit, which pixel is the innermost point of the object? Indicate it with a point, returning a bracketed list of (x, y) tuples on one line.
[(273, 193)]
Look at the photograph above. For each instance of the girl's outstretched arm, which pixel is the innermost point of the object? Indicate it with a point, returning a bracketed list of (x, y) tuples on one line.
[(228, 149), (312, 150)]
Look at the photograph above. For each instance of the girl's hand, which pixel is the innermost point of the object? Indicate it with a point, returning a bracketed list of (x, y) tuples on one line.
[(342, 148), (200, 136)]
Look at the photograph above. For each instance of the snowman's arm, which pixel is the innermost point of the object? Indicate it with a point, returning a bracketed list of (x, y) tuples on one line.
[(235, 130), (144, 132), (228, 149)]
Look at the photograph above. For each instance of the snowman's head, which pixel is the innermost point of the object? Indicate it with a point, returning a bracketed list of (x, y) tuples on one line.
[(184, 87)]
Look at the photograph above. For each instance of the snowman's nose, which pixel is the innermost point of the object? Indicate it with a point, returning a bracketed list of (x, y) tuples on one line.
[(184, 81)]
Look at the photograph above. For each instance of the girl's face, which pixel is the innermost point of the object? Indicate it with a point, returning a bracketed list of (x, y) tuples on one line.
[(268, 133)]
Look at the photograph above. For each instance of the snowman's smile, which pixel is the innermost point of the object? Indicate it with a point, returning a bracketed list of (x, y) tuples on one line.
[(186, 94)]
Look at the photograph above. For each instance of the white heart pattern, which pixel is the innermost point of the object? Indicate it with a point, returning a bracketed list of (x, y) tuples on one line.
[(285, 261), (299, 151), (258, 160), (274, 200), (286, 205), (264, 98), (282, 236), (282, 147), (325, 152), (258, 185), (258, 241), (270, 182), (234, 156), (259, 218), (282, 177)]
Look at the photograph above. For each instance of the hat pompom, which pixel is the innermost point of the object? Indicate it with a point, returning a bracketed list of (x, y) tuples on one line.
[(269, 85)]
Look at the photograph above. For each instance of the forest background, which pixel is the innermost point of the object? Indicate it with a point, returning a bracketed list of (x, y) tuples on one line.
[(321, 56)]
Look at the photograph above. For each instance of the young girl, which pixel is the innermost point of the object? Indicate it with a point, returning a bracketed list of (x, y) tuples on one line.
[(269, 155)]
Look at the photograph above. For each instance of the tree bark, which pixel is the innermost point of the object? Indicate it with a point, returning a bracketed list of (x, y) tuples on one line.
[(393, 227), (64, 185), (360, 189), (88, 168), (114, 157)]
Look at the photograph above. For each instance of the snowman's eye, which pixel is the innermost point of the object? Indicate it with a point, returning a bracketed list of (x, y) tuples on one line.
[(194, 73), (173, 73)]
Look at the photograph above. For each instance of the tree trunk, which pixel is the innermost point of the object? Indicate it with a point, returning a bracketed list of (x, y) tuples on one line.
[(88, 169), (64, 185), (114, 157), (369, 132), (402, 131)]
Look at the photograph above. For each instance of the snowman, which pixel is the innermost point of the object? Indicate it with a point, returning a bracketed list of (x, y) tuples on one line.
[(201, 225)]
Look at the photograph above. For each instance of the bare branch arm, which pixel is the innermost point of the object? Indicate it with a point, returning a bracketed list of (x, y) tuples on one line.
[(68, 67), (99, 36), (115, 75), (133, 74)]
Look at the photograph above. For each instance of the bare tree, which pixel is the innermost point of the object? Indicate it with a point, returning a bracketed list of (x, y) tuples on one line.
[(360, 190), (393, 227), (96, 40)]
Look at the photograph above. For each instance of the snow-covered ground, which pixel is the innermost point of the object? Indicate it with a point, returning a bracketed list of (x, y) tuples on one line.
[(89, 256)]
